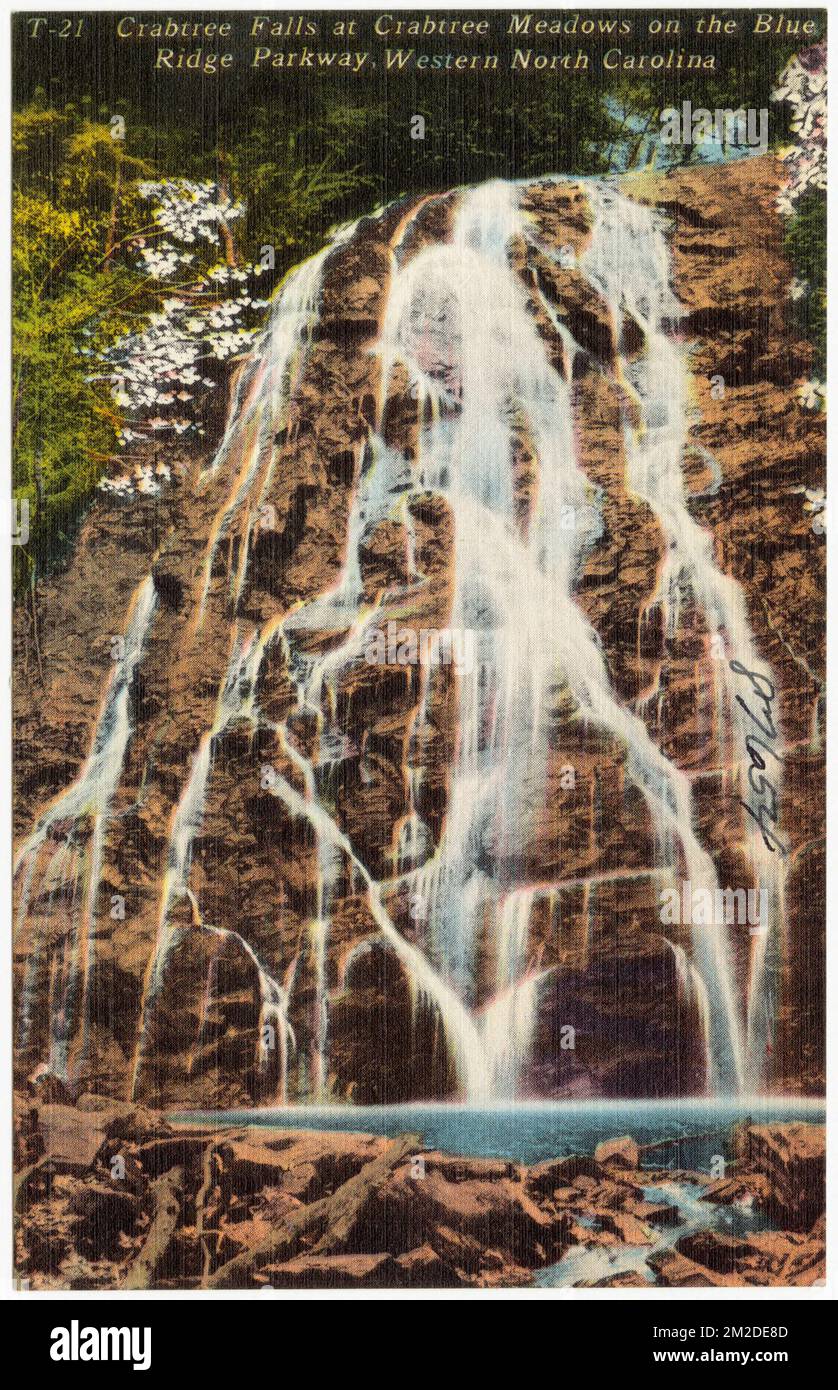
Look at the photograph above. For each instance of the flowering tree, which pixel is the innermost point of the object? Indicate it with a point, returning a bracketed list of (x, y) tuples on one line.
[(802, 202), (803, 84), (130, 289), (202, 311)]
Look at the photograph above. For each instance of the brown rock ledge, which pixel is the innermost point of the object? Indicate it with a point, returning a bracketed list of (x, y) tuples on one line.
[(114, 1196)]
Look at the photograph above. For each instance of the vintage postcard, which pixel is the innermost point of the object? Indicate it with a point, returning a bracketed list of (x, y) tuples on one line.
[(419, 649)]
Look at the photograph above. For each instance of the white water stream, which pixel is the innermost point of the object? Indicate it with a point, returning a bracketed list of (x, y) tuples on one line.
[(457, 319), (70, 836)]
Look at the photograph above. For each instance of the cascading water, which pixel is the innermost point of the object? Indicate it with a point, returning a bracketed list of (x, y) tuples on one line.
[(458, 322), (445, 305), (457, 318), (628, 262), (263, 393), (260, 406), (82, 813), (462, 307), (692, 991)]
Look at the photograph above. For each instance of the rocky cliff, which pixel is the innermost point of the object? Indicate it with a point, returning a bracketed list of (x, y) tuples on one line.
[(195, 938)]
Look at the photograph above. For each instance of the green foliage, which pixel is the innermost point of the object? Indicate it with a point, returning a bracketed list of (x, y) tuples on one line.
[(805, 246), (318, 155), (68, 198), (299, 179)]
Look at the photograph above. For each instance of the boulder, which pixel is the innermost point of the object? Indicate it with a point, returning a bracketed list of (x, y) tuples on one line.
[(657, 1213), (474, 1198), (313, 1169), (618, 1153), (184, 1150), (674, 1270), (629, 1229), (544, 1178), (806, 1265), (104, 1214), (72, 1138), (744, 1187), (792, 1157), (133, 1123), (766, 1257), (423, 1268), (723, 1253)]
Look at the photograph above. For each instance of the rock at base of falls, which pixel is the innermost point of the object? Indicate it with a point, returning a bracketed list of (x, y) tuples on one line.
[(290, 1209)]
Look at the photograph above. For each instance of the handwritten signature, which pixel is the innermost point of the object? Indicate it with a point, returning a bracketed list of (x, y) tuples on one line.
[(765, 810)]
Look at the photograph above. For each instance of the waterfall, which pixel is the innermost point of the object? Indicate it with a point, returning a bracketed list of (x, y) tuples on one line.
[(458, 325), (692, 994), (458, 318), (275, 1031), (84, 810), (236, 690), (260, 406), (461, 1031), (261, 399), (509, 1020), (628, 261)]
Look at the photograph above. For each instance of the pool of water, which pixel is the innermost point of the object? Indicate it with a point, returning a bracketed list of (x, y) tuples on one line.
[(530, 1132)]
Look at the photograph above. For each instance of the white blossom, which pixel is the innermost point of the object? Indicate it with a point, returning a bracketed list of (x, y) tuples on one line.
[(803, 85), (811, 394), (157, 366)]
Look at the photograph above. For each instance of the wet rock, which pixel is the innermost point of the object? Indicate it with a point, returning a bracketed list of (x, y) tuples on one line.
[(627, 1279), (556, 1173), (618, 1153), (424, 1268), (473, 1198), (746, 1189), (630, 1229), (762, 1258), (722, 1253), (48, 1088), (255, 868), (792, 1157), (335, 1272), (658, 1213), (675, 1270), (104, 1215)]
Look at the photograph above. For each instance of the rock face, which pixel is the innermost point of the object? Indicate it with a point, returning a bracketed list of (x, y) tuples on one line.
[(140, 1204), (760, 1259), (791, 1159), (262, 989)]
